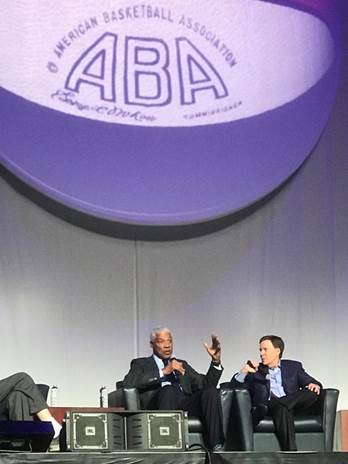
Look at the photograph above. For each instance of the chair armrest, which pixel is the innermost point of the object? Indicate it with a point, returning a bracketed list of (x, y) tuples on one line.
[(115, 399), (226, 396), (329, 405), (127, 398), (44, 389), (131, 399), (242, 420)]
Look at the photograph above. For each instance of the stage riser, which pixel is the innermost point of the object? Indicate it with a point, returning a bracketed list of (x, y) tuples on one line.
[(173, 458)]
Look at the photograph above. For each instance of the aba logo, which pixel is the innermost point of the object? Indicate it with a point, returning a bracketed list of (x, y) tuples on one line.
[(145, 65), (170, 66)]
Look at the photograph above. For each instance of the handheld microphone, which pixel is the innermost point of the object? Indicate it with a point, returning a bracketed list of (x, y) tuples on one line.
[(250, 364)]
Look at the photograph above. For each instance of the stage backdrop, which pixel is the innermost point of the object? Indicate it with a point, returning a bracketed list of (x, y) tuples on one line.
[(75, 306)]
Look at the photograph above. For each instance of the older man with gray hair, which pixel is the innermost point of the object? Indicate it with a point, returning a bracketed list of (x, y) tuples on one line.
[(168, 383)]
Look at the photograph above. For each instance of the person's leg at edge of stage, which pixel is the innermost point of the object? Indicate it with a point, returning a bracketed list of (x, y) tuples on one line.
[(23, 400)]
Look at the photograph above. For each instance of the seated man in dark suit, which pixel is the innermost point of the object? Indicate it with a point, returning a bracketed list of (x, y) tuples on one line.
[(21, 400), (277, 388), (168, 383)]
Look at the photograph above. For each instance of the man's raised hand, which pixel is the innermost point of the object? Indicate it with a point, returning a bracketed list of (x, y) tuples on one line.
[(214, 350)]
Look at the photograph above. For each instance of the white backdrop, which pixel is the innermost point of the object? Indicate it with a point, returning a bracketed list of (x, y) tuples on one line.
[(76, 306)]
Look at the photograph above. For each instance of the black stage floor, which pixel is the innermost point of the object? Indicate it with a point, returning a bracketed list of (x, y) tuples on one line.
[(190, 457)]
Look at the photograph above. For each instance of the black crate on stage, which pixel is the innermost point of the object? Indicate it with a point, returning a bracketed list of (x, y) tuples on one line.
[(93, 431), (157, 430)]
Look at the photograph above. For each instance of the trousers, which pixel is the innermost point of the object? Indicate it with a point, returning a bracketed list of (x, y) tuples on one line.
[(20, 398), (282, 412), (204, 404)]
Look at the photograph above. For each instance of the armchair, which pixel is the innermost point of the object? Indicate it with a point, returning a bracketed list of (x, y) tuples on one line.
[(130, 400), (314, 431)]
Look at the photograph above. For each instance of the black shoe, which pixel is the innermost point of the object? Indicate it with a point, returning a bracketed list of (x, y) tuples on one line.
[(218, 447)]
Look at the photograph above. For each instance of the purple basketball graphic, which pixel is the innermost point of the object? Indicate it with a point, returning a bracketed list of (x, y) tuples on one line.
[(163, 113)]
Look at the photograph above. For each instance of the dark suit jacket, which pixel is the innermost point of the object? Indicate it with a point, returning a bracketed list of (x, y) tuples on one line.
[(294, 378), (144, 375)]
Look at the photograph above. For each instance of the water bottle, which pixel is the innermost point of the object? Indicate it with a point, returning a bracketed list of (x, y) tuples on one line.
[(103, 397), (54, 396)]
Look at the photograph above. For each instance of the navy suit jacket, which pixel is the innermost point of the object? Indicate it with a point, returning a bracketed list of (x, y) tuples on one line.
[(144, 375), (294, 378)]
